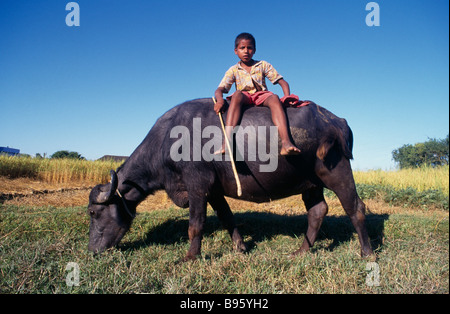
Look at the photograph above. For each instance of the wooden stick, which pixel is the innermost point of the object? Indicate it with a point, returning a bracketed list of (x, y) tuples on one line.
[(233, 165)]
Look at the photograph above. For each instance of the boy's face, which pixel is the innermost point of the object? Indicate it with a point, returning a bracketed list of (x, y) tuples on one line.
[(245, 50)]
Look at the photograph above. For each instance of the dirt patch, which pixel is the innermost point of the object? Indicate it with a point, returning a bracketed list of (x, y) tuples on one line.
[(24, 186), (23, 191), (29, 192), (63, 198)]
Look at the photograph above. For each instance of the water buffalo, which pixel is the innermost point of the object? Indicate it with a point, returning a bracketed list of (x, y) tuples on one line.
[(176, 156)]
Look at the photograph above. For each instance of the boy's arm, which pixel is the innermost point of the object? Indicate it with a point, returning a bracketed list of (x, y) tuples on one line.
[(285, 86), (287, 92), (219, 99), (224, 87)]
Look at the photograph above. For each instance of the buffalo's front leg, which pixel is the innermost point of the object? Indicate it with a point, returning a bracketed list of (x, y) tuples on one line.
[(317, 209), (197, 218), (223, 211)]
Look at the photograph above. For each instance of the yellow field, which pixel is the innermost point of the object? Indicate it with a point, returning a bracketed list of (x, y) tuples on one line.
[(66, 171), (421, 179), (57, 170)]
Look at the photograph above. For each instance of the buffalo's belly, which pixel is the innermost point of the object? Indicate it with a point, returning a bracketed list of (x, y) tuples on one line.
[(261, 189)]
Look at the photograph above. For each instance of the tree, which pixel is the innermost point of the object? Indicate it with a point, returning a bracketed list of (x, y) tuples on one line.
[(434, 152), (67, 154)]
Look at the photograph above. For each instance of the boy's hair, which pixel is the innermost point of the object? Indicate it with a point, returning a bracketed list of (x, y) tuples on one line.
[(242, 36)]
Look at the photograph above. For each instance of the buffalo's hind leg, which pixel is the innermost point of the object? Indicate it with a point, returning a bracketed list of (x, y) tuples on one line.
[(340, 180), (223, 211), (317, 209)]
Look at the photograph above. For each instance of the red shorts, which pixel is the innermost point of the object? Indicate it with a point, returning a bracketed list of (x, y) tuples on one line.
[(255, 99)]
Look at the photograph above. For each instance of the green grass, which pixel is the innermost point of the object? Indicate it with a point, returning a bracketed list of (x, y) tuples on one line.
[(36, 244)]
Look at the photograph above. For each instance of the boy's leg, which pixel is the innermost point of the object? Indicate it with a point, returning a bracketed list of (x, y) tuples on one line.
[(280, 120), (233, 116), (235, 108)]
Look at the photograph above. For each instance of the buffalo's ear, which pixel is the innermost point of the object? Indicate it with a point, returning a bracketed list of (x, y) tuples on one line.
[(108, 190)]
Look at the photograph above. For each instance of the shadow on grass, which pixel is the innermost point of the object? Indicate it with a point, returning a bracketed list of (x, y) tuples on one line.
[(261, 227)]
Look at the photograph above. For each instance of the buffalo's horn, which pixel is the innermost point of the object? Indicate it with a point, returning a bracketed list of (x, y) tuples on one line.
[(107, 191)]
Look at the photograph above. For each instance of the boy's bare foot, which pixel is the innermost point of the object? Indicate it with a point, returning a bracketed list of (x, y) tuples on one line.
[(220, 151), (289, 150)]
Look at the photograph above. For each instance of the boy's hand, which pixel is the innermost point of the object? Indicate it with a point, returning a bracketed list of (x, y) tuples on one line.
[(219, 105), (218, 99), (290, 100)]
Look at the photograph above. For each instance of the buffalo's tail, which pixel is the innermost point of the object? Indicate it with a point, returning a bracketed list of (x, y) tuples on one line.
[(335, 138)]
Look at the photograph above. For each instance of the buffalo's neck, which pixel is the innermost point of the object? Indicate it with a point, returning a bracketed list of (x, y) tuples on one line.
[(133, 191), (136, 180)]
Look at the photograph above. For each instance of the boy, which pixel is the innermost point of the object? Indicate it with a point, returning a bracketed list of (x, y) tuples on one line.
[(249, 76)]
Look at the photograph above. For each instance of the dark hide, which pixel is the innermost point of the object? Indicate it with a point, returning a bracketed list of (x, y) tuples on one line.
[(324, 139)]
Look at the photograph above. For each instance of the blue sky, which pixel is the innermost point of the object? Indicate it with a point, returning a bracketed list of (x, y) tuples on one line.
[(98, 88)]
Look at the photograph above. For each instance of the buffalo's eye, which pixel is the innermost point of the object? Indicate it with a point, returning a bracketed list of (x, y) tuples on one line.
[(92, 213)]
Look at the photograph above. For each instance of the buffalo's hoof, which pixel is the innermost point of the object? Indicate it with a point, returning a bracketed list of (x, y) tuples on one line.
[(188, 258), (371, 257), (298, 253), (240, 247)]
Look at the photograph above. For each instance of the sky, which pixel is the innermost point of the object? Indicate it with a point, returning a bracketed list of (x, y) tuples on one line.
[(99, 87)]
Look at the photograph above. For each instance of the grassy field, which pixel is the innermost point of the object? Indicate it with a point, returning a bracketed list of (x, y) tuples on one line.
[(408, 225), (36, 245)]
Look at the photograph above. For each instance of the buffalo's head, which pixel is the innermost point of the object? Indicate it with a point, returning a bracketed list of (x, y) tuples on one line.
[(110, 217)]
